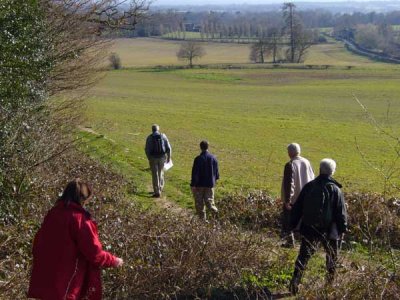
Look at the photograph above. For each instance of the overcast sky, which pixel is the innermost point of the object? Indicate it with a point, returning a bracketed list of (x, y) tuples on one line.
[(218, 2)]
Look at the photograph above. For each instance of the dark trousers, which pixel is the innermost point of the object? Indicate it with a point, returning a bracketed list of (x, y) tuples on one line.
[(286, 232), (309, 245)]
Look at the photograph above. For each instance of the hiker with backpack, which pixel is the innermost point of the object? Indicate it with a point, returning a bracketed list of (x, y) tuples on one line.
[(205, 174), (321, 210), (158, 152), (297, 173)]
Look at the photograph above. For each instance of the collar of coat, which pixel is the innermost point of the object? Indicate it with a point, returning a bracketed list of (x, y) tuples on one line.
[(74, 206), (330, 179)]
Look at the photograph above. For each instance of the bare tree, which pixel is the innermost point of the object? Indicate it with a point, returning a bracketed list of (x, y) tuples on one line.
[(258, 51), (190, 51), (289, 18), (75, 28), (299, 39), (62, 50), (274, 40), (303, 41)]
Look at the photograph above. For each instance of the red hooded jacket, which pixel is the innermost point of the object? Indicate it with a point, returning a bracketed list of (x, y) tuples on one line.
[(67, 256)]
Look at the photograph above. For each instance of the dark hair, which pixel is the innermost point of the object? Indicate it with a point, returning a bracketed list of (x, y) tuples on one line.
[(76, 191), (204, 145)]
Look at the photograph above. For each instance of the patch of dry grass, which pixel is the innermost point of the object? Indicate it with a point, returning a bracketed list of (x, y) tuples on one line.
[(142, 52), (145, 52)]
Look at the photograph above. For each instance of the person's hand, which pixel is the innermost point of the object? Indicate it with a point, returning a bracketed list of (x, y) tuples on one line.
[(168, 160), (288, 206), (118, 262)]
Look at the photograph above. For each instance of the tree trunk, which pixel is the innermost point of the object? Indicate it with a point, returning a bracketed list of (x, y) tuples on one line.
[(274, 54), (291, 34)]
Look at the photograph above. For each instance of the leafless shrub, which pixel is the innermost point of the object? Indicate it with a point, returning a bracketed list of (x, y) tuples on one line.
[(355, 282), (115, 61), (75, 29), (256, 210), (171, 257), (374, 220), (60, 58)]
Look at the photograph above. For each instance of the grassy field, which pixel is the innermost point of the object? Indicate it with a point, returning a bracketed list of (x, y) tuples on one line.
[(249, 116), (152, 52)]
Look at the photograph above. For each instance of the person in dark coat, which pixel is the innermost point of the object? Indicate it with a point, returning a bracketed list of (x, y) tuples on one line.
[(321, 210), (67, 253), (205, 174)]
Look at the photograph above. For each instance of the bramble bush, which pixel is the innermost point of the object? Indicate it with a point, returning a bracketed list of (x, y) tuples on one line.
[(372, 218), (374, 227), (255, 210)]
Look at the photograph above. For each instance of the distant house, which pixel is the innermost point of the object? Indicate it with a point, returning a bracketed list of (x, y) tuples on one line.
[(191, 27)]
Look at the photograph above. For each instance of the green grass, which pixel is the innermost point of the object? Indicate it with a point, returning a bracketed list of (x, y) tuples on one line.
[(325, 29), (187, 35), (249, 116), (211, 76)]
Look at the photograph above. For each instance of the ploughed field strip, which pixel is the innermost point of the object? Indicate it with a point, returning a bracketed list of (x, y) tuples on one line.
[(290, 77)]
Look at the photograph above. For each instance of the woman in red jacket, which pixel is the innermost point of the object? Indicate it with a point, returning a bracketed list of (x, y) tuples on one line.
[(67, 253)]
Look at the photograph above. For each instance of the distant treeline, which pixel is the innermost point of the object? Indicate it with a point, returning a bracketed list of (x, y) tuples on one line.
[(247, 25)]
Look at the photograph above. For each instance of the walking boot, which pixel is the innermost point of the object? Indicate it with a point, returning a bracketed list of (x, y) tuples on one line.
[(294, 283)]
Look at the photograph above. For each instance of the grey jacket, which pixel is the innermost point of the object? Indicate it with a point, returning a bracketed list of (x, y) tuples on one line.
[(149, 145)]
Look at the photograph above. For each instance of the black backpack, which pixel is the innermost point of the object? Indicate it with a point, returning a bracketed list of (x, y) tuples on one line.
[(158, 145), (317, 209)]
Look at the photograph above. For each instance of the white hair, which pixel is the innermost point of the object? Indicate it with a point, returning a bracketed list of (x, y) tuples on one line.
[(294, 148), (327, 166)]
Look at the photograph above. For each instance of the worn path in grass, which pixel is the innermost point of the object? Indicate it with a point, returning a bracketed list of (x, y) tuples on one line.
[(163, 202)]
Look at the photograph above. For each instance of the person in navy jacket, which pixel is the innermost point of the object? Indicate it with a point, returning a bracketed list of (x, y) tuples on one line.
[(204, 177)]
